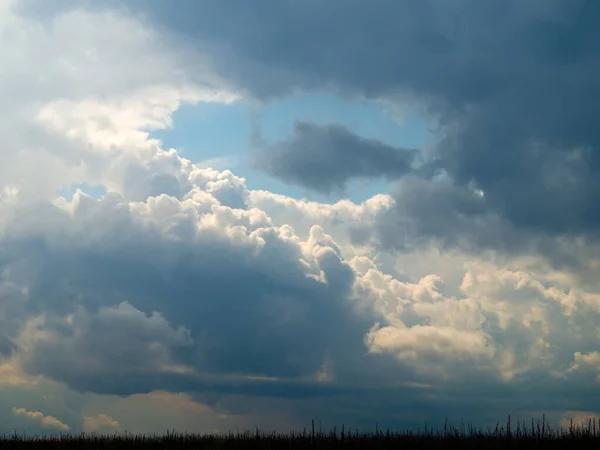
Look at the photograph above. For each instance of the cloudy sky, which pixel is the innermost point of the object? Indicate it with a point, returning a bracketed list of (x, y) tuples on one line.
[(226, 214)]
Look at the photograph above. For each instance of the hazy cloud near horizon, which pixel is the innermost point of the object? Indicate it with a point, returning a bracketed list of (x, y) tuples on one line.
[(183, 292)]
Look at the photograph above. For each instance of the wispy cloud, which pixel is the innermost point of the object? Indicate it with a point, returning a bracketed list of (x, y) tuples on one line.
[(46, 421)]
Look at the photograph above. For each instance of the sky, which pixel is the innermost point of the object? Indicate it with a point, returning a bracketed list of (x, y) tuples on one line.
[(220, 215)]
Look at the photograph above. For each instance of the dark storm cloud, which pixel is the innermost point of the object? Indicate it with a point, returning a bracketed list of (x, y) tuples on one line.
[(452, 216), (326, 157), (373, 48), (246, 311), (126, 309), (401, 407), (513, 84)]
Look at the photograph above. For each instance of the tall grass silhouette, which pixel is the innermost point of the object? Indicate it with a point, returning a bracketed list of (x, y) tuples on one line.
[(536, 434)]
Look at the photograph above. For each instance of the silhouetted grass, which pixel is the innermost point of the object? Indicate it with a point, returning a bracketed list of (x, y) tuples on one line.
[(519, 435)]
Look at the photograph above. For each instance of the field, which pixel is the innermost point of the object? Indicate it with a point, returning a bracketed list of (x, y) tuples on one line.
[(519, 435)]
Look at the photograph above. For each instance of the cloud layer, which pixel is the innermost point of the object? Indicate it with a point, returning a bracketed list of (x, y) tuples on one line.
[(509, 84), (470, 289)]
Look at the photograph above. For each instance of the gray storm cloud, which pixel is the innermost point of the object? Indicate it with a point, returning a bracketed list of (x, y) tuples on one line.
[(182, 279), (512, 85), (325, 158)]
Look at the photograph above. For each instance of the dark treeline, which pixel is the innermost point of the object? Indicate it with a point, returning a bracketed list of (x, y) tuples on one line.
[(536, 434)]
